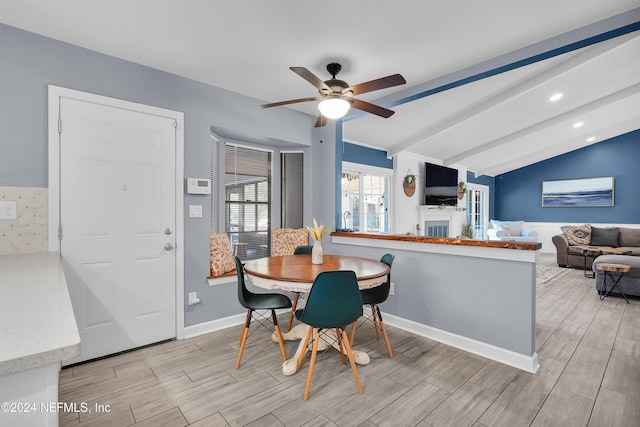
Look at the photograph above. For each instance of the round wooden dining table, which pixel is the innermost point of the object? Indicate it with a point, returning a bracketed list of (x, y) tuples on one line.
[(296, 273)]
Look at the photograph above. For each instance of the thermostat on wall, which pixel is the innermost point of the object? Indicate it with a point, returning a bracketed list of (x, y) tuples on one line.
[(198, 186)]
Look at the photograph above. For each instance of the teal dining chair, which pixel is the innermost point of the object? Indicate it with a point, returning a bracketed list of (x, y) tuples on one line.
[(252, 302), (372, 297), (334, 301), (300, 250)]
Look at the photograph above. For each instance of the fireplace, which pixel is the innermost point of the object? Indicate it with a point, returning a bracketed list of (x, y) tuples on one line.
[(438, 228), (439, 222)]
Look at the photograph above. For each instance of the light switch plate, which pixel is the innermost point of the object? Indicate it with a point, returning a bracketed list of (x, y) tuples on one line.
[(8, 210), (195, 211)]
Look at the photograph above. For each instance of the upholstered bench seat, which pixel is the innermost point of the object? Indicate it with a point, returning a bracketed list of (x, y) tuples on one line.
[(630, 282)]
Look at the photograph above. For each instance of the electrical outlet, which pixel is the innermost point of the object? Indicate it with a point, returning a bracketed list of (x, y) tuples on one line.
[(392, 289), (8, 210), (193, 298)]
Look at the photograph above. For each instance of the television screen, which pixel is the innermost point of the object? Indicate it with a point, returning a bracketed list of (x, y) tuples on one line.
[(441, 185)]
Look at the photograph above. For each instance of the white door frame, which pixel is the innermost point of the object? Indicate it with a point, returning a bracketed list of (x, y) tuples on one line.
[(486, 189), (55, 93)]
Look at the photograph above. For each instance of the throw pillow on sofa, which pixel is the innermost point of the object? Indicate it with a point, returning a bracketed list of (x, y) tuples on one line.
[(577, 235), (604, 236), (510, 228)]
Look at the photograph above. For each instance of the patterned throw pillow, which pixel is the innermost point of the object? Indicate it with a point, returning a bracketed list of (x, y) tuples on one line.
[(604, 236), (577, 235), (220, 255), (286, 240)]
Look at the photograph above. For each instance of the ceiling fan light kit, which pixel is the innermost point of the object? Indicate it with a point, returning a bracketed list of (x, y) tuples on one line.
[(336, 96), (333, 108)]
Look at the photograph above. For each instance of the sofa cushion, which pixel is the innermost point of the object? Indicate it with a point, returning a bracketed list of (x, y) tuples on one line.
[(577, 235), (629, 237), (604, 236), (511, 228)]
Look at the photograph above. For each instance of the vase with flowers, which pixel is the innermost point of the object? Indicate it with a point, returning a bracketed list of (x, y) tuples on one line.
[(317, 231)]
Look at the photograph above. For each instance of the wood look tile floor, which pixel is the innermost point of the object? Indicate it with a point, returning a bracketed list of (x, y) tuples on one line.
[(590, 376)]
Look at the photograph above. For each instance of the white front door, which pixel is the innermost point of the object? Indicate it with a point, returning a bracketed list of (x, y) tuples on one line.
[(118, 219)]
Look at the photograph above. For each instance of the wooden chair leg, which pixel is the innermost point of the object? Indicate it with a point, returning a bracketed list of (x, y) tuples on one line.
[(304, 347), (344, 362), (375, 320), (311, 364), (353, 332), (279, 335), (384, 333), (243, 338), (352, 362), (293, 310)]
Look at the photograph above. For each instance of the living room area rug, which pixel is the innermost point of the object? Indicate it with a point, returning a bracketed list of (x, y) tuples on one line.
[(547, 274)]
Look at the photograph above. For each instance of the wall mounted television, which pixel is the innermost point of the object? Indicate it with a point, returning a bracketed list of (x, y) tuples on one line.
[(441, 185)]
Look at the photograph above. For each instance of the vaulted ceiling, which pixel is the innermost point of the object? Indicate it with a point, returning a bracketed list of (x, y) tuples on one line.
[(491, 125)]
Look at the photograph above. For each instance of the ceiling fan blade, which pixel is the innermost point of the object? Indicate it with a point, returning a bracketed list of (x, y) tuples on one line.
[(322, 120), (291, 101), (311, 78), (371, 108), (377, 84)]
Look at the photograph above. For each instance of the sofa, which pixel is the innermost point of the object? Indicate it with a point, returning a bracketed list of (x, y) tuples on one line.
[(568, 255), (511, 231), (629, 284)]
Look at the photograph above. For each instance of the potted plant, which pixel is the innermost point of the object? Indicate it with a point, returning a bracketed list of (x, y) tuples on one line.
[(409, 184), (467, 231)]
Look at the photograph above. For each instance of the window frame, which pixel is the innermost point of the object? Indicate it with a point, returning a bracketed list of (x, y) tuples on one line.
[(363, 169), (256, 203)]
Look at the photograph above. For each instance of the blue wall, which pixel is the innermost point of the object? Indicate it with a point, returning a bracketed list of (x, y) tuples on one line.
[(519, 193), (365, 155)]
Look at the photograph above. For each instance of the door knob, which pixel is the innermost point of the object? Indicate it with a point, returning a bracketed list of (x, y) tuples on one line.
[(168, 231), (168, 246)]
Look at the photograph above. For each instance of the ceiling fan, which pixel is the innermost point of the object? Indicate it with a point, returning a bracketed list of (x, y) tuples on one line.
[(337, 96)]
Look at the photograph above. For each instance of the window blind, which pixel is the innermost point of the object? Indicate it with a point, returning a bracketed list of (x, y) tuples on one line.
[(248, 201), (291, 189)]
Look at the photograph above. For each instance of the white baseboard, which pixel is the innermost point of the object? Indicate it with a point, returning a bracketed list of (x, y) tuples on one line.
[(213, 325), (508, 357), (219, 324), (517, 360)]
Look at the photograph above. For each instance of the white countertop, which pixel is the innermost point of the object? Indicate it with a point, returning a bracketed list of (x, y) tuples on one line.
[(37, 324)]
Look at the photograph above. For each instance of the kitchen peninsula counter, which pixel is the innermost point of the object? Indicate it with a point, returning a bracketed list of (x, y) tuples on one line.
[(442, 240), (476, 295), (39, 331)]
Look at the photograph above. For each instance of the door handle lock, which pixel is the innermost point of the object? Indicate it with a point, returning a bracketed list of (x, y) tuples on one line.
[(168, 231), (168, 247)]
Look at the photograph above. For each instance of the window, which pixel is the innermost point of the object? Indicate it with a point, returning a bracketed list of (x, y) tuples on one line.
[(366, 198), (291, 190), (248, 201)]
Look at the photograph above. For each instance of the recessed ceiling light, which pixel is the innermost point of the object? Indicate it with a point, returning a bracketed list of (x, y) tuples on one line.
[(555, 97), (591, 139), (578, 124)]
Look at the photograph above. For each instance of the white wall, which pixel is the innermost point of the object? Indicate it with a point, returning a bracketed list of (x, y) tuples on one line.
[(406, 208)]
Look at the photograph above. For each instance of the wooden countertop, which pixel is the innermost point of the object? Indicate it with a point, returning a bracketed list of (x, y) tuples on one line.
[(37, 323), (443, 240)]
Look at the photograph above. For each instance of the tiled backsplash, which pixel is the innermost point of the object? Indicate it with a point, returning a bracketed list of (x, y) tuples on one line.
[(29, 231)]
